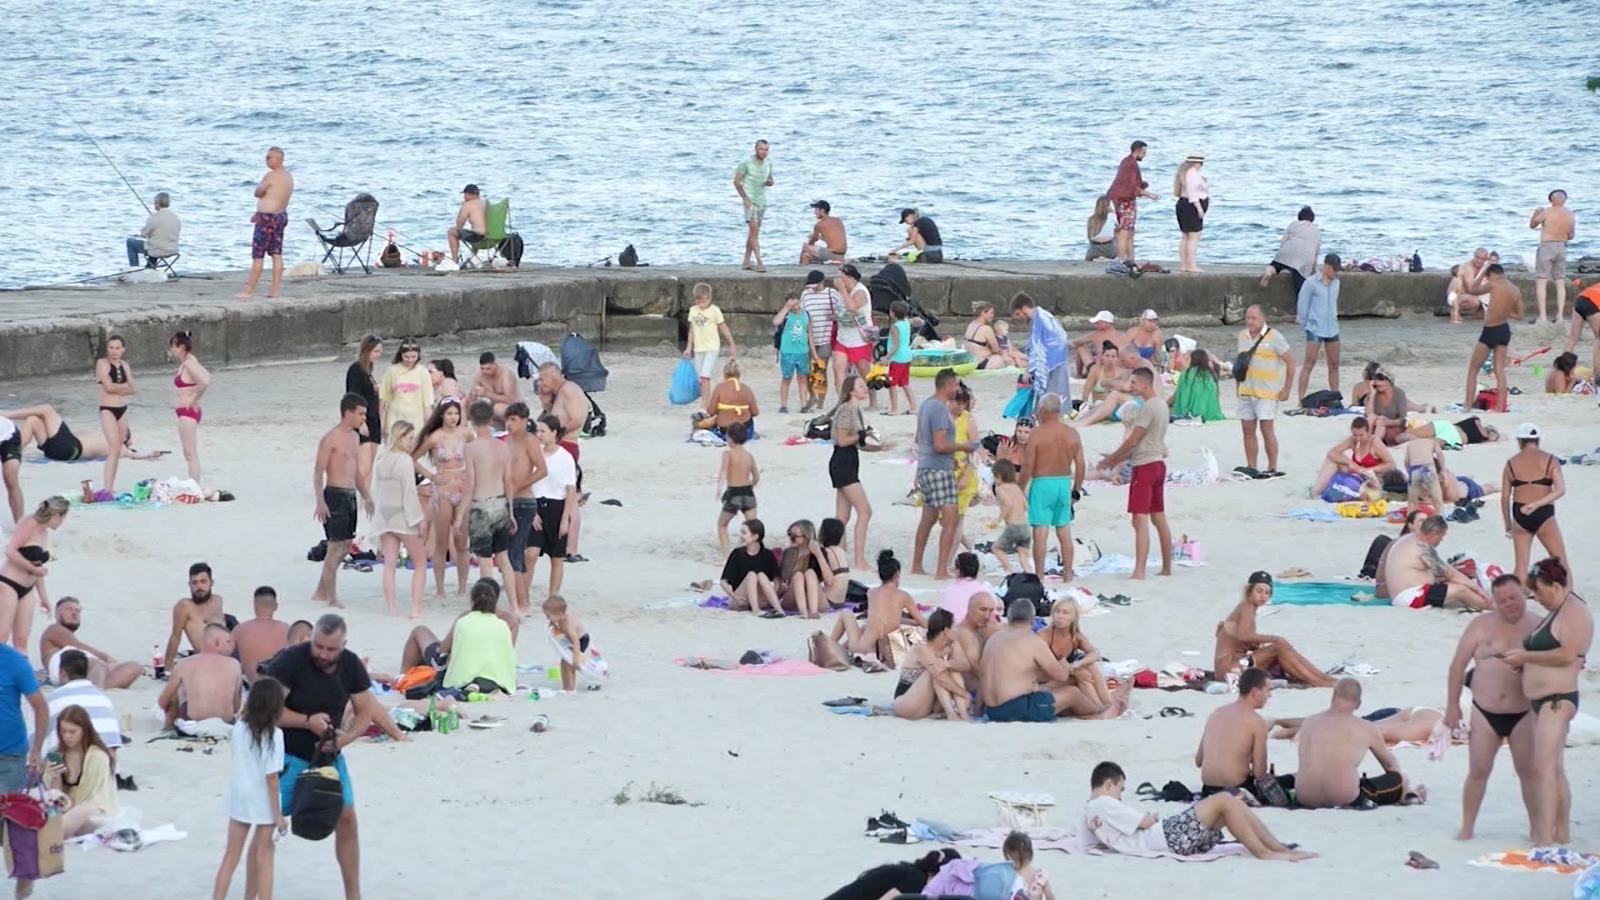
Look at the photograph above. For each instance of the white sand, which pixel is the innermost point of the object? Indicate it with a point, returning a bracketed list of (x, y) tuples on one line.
[(786, 786)]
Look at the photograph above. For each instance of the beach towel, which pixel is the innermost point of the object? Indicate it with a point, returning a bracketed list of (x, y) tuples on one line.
[(1020, 404), (780, 667), (1567, 863), (1067, 840), (1323, 593), (1122, 564), (1311, 514), (1196, 395)]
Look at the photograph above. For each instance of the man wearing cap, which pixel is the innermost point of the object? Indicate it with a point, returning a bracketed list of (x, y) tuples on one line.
[(750, 180), (1318, 313), (1125, 191), (1049, 350), (1086, 347), (826, 243), (921, 233), (817, 301), (471, 221)]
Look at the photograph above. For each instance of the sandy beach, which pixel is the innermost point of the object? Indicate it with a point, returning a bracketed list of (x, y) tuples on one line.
[(779, 788)]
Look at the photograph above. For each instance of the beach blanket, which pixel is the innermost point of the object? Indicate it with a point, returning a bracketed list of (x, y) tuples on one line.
[(1565, 862), (1312, 514), (1120, 564), (1323, 593), (1067, 840), (778, 668)]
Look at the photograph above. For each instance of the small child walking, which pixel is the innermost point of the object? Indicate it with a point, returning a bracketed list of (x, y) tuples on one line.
[(1016, 535), (900, 357), (252, 798), (737, 477), (794, 350), (564, 624)]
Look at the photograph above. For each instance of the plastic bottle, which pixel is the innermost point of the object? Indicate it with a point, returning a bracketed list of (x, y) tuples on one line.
[(541, 724), (155, 661), (533, 694)]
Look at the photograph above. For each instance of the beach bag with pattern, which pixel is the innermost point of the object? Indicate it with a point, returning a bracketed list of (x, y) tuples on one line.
[(33, 837)]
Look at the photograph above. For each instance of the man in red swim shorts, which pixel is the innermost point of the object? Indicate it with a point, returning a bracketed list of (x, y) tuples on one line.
[(1146, 448), (270, 219), (1124, 193)]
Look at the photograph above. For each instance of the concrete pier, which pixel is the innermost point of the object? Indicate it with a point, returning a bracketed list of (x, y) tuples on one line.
[(62, 330)]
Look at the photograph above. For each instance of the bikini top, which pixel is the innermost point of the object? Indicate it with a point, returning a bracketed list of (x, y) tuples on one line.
[(34, 553), (1547, 481), (1366, 462), (441, 454), (177, 380), (968, 336), (735, 408), (118, 374), (828, 553), (1543, 638)]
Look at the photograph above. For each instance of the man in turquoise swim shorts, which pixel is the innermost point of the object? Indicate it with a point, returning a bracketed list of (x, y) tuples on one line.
[(1052, 470)]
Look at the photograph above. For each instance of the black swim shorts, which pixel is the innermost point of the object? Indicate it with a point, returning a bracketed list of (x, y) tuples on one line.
[(523, 511), (1494, 336), (11, 448), (62, 446), (341, 523), (1585, 307)]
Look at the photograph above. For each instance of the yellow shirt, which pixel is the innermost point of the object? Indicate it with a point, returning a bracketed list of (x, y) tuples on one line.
[(95, 787), (703, 326), (407, 395)]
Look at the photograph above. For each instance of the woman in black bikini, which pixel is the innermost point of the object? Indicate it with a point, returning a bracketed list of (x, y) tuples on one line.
[(24, 569), (927, 683), (1551, 660), (1533, 484), (830, 534), (844, 467), (979, 339), (115, 378)]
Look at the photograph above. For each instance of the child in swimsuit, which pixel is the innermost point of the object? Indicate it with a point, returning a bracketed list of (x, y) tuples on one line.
[(737, 477), (1014, 513), (565, 624)]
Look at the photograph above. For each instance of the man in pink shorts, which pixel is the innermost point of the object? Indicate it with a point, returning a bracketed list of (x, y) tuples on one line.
[(270, 219), (1146, 448)]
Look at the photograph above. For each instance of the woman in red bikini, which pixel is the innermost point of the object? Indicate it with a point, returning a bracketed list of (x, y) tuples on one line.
[(191, 381), (1359, 454)]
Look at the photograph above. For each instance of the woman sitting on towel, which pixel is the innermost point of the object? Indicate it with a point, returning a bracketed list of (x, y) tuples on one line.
[(1068, 643), (751, 573), (1360, 454), (886, 605), (1237, 638), (729, 402), (83, 774), (1196, 393), (801, 571), (927, 684)]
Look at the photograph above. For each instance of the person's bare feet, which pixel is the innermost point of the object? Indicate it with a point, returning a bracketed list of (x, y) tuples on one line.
[(860, 565), (242, 295), (942, 576), (1303, 855), (918, 570), (1464, 834), (1136, 576), (1167, 571), (1287, 856), (1197, 270)]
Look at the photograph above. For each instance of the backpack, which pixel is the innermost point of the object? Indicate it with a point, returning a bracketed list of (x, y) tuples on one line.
[(594, 424), (316, 801), (628, 258), (820, 428), (511, 249), (390, 257), (419, 682), (1323, 400), (1025, 586)]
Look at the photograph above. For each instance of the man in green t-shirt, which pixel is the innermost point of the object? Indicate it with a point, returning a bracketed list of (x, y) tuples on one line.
[(751, 179)]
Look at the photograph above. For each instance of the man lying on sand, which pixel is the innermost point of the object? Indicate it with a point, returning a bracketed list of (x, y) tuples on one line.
[(1237, 635), (1127, 829), (62, 635), (1333, 744)]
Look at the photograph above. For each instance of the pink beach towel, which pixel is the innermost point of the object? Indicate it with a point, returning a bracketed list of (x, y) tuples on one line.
[(1067, 841), (780, 667)]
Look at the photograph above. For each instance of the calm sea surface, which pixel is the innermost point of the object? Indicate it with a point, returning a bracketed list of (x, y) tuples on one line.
[(1406, 124)]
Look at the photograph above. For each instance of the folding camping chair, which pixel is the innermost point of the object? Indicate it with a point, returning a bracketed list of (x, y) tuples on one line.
[(494, 223), (349, 239), (163, 262)]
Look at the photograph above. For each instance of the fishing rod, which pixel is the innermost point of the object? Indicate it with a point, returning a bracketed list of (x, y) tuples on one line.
[(103, 153)]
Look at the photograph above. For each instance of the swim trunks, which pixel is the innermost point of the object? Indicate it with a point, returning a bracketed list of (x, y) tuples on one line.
[(1038, 706), (1423, 595), (11, 448), (753, 214), (861, 354), (899, 374), (268, 237), (1584, 307), (1474, 490), (468, 236), (523, 510), (489, 526), (1050, 500), (1186, 836), (1014, 536), (1147, 490), (341, 522), (1494, 336), (793, 365), (938, 487), (1421, 475), (63, 446), (294, 765), (1551, 260), (736, 500), (1127, 215)]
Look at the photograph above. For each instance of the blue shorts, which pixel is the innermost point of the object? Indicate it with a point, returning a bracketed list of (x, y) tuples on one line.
[(1050, 500), (294, 765), (1474, 490), (1038, 706), (1313, 339), (13, 773), (794, 365)]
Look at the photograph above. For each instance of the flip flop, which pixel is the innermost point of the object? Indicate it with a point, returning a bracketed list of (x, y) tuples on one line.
[(700, 586), (772, 614), (1417, 861), (845, 701), (487, 721), (1175, 712)]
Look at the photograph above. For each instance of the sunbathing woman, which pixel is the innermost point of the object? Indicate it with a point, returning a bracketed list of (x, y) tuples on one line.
[(885, 605), (1457, 488), (192, 381), (751, 572), (24, 569), (802, 570), (927, 684), (1069, 644), (43, 426), (115, 378), (1237, 637), (1412, 724), (1360, 454), (1533, 483), (445, 441), (1470, 430), (834, 560), (979, 338)]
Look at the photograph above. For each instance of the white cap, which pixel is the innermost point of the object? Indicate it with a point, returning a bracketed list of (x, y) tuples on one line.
[(1103, 315), (1527, 431), (1149, 314)]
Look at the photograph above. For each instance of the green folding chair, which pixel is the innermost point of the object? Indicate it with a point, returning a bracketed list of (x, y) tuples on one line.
[(495, 224)]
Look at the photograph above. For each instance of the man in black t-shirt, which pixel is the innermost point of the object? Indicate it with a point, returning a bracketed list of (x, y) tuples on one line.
[(319, 677), (922, 233)]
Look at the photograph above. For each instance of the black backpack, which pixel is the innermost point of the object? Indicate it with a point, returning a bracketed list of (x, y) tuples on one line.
[(511, 249), (315, 802), (1323, 400), (820, 428), (628, 258), (594, 424), (1026, 586)]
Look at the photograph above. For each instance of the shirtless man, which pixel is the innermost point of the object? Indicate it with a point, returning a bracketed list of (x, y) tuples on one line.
[(826, 243), (1086, 346), (1233, 748), (1052, 475), (42, 426), (972, 632), (270, 220), (259, 639), (1416, 576), (206, 685), (1015, 661), (193, 613), (1460, 298), (567, 402), (1237, 636), (62, 635), (334, 482), (1505, 304), (471, 221), (525, 465), (1499, 707), (1556, 227), (495, 383), (1332, 745), (490, 487)]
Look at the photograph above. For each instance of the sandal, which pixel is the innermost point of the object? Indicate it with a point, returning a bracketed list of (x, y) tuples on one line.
[(1417, 861), (1175, 712), (1148, 790), (772, 614)]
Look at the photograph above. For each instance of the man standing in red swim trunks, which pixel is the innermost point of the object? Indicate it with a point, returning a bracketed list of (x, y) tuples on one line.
[(1146, 447), (271, 218), (1125, 191)]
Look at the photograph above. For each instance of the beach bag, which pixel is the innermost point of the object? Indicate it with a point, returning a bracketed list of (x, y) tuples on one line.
[(685, 386), (33, 836), (1023, 586), (511, 249), (855, 594), (1269, 791), (825, 654), (820, 428), (390, 257), (1241, 363), (1486, 399), (594, 424), (1322, 400), (316, 801), (1342, 486), (1020, 404), (419, 682)]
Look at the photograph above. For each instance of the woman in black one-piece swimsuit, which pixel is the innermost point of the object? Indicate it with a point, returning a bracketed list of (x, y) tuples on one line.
[(115, 378)]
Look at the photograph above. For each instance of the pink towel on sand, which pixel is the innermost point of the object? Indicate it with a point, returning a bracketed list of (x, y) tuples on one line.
[(1068, 841), (778, 667)]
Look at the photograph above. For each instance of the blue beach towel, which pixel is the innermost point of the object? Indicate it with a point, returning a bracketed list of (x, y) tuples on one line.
[(1020, 404), (1323, 593)]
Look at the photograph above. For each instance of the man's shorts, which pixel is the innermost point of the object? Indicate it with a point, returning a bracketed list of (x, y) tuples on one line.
[(938, 487), (13, 773), (1314, 339), (1147, 491), (1253, 408), (11, 448), (1584, 307), (1127, 214), (268, 237), (489, 527), (1038, 706), (468, 236), (1423, 596), (523, 510), (1493, 336), (793, 365), (753, 214), (1551, 260), (1015, 536), (294, 765), (899, 374), (736, 500), (705, 364), (341, 522), (820, 253), (1050, 500)]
